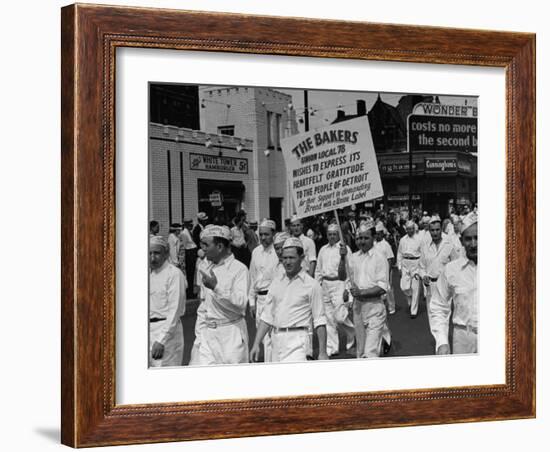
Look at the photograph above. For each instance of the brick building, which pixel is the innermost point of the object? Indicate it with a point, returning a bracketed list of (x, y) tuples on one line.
[(235, 159)]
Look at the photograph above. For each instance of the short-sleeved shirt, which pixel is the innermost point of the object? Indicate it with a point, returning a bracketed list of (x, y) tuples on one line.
[(294, 302)]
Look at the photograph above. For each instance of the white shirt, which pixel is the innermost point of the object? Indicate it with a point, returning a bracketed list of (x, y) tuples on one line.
[(434, 258), (294, 302), (227, 302), (457, 284), (368, 270), (408, 246), (262, 270), (328, 261), (166, 298), (201, 265), (186, 240), (237, 237), (310, 255), (173, 246), (384, 248)]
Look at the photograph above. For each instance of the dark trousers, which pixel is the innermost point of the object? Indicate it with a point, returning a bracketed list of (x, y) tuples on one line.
[(190, 263)]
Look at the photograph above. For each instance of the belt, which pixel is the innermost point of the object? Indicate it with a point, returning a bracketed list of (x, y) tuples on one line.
[(289, 329), (331, 278), (219, 323), (262, 292), (411, 257), (470, 328), (157, 319)]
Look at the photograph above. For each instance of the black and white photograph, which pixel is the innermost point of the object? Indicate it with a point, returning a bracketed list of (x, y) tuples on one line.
[(295, 224)]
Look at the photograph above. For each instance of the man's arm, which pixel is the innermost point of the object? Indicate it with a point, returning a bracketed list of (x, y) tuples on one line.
[(321, 331), (440, 307), (176, 302), (263, 328)]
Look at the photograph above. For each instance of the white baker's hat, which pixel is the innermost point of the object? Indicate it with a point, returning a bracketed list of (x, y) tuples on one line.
[(435, 219), (293, 242), (410, 224), (468, 221), (222, 232), (280, 237), (295, 219), (268, 224), (380, 227), (158, 240), (365, 226), (333, 227)]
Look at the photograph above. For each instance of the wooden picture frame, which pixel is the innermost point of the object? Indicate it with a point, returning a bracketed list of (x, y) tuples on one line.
[(90, 37)]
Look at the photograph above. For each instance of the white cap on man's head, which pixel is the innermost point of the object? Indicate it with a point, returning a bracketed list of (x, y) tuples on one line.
[(202, 216), (222, 232), (293, 242), (268, 224), (333, 227), (435, 219), (158, 240), (410, 224), (380, 227), (280, 237), (468, 220)]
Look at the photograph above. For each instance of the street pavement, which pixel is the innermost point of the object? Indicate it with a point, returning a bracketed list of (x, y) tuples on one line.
[(410, 337)]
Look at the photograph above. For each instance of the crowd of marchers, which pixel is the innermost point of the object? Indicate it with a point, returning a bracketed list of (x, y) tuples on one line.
[(320, 276)]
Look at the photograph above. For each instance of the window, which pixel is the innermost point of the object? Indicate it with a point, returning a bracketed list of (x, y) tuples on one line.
[(270, 142), (226, 130)]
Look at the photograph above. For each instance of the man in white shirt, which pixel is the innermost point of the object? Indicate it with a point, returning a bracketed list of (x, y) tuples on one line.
[(367, 282), (436, 254), (224, 340), (166, 306), (384, 248), (278, 242), (408, 256), (457, 293), (326, 273), (262, 272), (294, 301), (174, 244), (190, 247), (310, 254)]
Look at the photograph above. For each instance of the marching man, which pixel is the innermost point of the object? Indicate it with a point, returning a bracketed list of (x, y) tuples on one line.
[(408, 255), (224, 338), (166, 306), (326, 273), (368, 282), (384, 248), (293, 302), (310, 256), (457, 292), (262, 272), (436, 253)]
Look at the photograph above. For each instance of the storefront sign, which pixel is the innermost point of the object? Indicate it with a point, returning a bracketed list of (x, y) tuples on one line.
[(397, 167), (202, 162), (464, 166), (403, 197), (428, 131), (215, 198), (332, 168), (440, 165)]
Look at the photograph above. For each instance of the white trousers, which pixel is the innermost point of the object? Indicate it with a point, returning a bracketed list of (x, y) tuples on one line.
[(464, 341), (388, 297), (410, 284), (370, 327), (173, 348), (260, 306), (289, 346), (332, 297), (227, 344)]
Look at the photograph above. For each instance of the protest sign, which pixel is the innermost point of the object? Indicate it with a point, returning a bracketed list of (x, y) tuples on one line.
[(332, 168)]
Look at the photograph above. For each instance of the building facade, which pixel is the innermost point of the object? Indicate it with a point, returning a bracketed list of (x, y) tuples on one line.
[(233, 162)]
